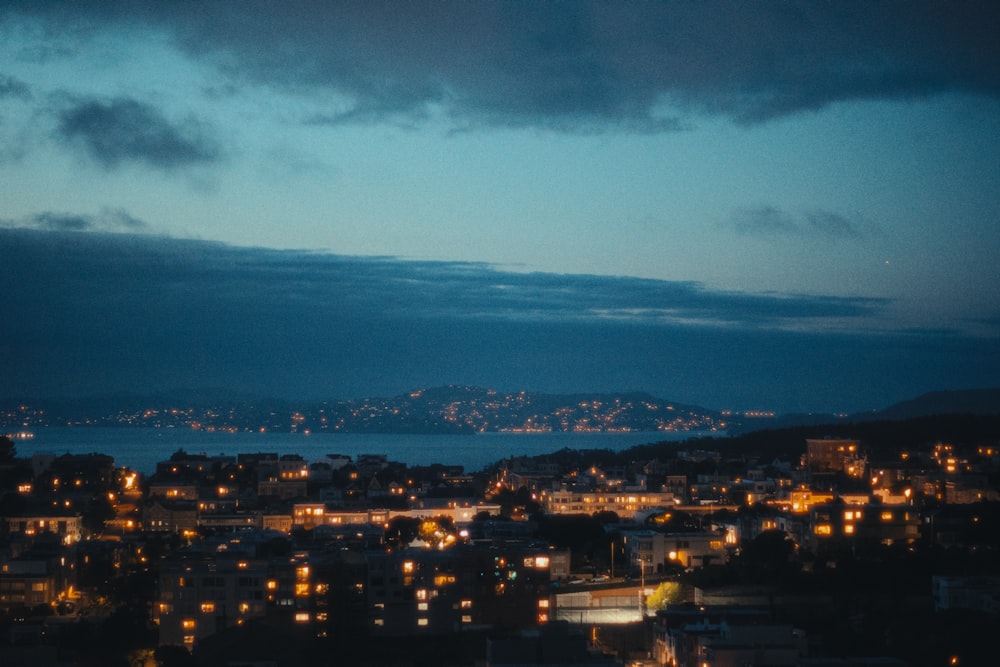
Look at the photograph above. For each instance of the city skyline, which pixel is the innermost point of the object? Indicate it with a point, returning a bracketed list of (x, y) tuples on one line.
[(784, 206)]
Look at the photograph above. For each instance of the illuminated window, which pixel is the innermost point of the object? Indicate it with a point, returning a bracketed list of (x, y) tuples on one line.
[(421, 606), (302, 617), (849, 529), (824, 529), (379, 622), (301, 589), (188, 639), (849, 515), (541, 561), (244, 607), (543, 617), (421, 594), (408, 566), (887, 516), (466, 618), (188, 624), (466, 604), (272, 585), (543, 603), (421, 622), (207, 607)]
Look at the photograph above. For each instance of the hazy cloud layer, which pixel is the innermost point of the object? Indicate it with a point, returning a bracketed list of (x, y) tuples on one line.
[(108, 220), (579, 65), (771, 221), (125, 130), (97, 313)]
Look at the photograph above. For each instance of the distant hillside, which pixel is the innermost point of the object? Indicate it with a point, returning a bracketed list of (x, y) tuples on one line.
[(443, 410), (969, 401), (962, 402), (881, 440)]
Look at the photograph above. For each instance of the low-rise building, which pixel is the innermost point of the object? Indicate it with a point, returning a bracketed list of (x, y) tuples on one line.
[(430, 591), (26, 583), (567, 500), (178, 516), (32, 522)]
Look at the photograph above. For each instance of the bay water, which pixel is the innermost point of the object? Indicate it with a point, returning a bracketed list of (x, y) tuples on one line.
[(141, 448)]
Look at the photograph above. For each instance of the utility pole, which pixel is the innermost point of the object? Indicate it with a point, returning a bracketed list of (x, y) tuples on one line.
[(612, 558)]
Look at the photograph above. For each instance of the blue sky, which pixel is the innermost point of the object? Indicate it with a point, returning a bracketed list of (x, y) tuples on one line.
[(749, 205)]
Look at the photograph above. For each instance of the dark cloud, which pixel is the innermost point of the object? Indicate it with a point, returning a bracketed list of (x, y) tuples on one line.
[(125, 130), (62, 222), (93, 312), (283, 283), (108, 220), (771, 221), (582, 65)]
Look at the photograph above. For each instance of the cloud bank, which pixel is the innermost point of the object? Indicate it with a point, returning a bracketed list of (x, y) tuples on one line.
[(770, 221), (637, 66), (99, 313)]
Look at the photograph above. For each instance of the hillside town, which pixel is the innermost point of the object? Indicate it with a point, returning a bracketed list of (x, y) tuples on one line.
[(452, 409), (838, 552)]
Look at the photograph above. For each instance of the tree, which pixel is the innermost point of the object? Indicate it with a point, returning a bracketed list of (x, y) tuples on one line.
[(8, 452), (768, 557), (173, 656), (402, 530), (96, 513), (668, 592)]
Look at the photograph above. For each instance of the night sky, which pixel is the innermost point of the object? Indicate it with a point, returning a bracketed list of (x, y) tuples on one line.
[(773, 205)]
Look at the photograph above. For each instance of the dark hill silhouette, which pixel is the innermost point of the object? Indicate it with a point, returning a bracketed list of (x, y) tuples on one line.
[(965, 401), (969, 401), (880, 439)]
